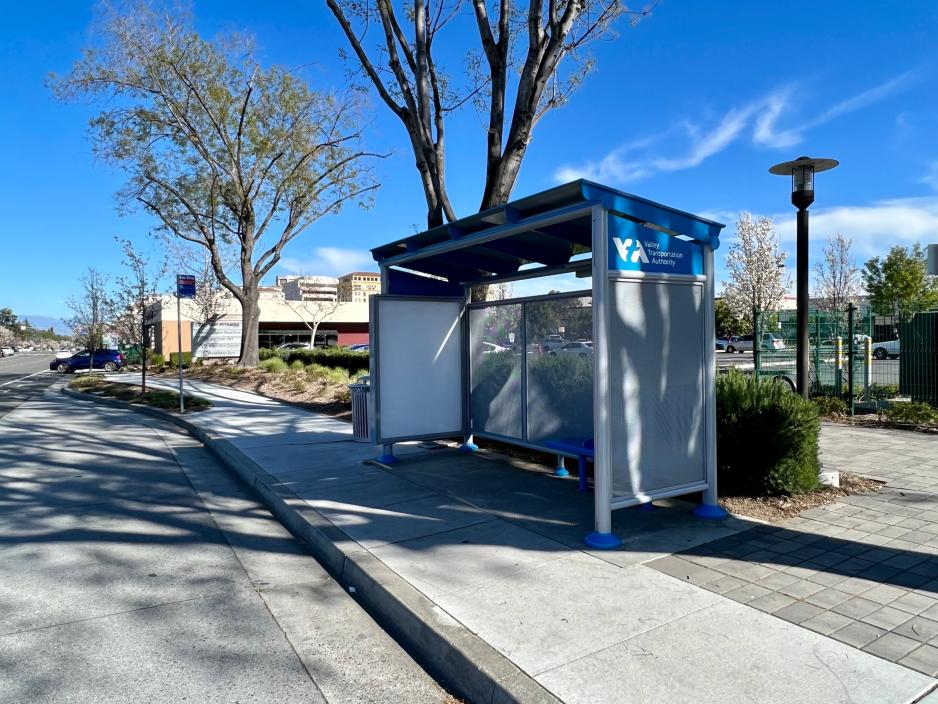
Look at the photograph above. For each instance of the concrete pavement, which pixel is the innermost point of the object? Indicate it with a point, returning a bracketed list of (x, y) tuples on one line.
[(134, 568), (481, 557)]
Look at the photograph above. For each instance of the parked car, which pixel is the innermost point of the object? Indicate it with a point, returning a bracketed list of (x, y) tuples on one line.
[(63, 354), (360, 347), (553, 342), (580, 349), (6, 352), (108, 360), (744, 343), (294, 346), (890, 349), (722, 342)]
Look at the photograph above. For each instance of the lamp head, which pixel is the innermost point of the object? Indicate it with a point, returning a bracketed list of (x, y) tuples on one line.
[(802, 172)]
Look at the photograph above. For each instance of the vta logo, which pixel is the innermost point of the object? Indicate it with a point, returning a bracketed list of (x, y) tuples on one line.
[(637, 253)]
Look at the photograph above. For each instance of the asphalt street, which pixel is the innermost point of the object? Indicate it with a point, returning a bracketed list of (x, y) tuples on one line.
[(134, 568), (23, 377)]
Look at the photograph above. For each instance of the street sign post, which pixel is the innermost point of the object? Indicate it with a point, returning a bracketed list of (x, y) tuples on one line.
[(185, 288)]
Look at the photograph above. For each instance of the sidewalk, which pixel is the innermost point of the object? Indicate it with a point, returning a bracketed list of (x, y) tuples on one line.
[(477, 562)]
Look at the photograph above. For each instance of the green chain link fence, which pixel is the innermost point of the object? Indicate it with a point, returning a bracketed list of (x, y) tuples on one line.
[(868, 360)]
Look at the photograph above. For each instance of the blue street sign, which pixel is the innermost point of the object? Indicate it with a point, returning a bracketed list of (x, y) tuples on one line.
[(185, 286)]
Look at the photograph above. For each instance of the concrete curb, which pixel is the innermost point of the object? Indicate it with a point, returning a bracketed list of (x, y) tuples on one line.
[(460, 660)]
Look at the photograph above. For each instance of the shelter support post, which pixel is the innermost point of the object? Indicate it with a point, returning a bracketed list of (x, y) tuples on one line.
[(387, 454), (561, 471), (468, 443), (602, 537), (710, 508)]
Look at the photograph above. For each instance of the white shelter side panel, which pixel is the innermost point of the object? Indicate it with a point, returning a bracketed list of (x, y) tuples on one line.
[(657, 398), (419, 380)]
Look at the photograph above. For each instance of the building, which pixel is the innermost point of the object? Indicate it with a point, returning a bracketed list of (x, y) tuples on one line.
[(280, 322), (309, 288), (358, 286)]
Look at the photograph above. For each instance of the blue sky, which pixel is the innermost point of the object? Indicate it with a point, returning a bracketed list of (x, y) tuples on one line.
[(690, 108)]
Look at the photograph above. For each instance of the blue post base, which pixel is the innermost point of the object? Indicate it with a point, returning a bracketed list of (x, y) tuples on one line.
[(647, 506), (468, 447), (561, 472), (603, 541), (712, 512), (388, 459)]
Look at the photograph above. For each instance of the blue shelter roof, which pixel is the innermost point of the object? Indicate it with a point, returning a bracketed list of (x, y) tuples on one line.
[(546, 228)]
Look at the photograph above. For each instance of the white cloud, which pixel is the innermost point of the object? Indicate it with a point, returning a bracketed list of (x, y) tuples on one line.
[(329, 261), (710, 143), (634, 161), (873, 228), (930, 178)]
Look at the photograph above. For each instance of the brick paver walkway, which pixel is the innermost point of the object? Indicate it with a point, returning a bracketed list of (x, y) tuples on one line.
[(863, 570)]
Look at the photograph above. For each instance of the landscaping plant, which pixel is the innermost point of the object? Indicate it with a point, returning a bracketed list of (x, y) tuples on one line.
[(911, 414), (767, 438)]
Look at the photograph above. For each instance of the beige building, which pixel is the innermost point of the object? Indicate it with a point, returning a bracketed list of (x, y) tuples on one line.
[(309, 288), (280, 322), (358, 286)]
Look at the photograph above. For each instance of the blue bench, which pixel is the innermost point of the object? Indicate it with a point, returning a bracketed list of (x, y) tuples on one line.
[(581, 448)]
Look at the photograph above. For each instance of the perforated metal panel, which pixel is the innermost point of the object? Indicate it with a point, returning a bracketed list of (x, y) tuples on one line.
[(418, 373), (657, 414)]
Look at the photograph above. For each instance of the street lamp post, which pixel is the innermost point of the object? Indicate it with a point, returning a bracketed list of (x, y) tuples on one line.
[(802, 172)]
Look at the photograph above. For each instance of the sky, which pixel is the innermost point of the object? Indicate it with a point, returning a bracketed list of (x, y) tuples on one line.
[(689, 108)]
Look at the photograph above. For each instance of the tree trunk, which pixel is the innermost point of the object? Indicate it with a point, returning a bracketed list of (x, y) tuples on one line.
[(250, 318)]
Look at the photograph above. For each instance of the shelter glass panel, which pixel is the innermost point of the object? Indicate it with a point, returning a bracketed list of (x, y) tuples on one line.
[(559, 358), (495, 356)]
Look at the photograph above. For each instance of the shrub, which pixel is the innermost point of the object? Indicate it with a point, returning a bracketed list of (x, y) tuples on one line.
[(335, 357), (157, 360), (266, 353), (831, 405), (297, 364), (273, 365), (767, 438), (883, 391), (174, 359), (914, 413), (327, 375)]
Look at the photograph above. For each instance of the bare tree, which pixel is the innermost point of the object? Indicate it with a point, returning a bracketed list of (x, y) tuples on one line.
[(530, 59), (216, 147), (755, 264), (91, 312), (836, 276), (311, 312)]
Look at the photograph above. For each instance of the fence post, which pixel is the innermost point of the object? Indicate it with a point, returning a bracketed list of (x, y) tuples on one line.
[(851, 351), (867, 366), (817, 350), (756, 343), (839, 366)]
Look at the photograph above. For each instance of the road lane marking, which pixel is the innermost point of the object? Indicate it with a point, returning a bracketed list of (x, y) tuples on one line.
[(13, 381)]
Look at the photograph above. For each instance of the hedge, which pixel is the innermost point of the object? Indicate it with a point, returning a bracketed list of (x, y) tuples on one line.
[(333, 357), (174, 359), (767, 438)]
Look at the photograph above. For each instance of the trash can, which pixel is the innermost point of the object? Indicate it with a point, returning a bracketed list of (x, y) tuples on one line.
[(360, 428)]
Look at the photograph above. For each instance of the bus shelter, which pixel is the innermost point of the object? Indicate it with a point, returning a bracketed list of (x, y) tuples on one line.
[(621, 371)]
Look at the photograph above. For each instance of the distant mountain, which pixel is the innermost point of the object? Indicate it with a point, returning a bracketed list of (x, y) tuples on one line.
[(44, 322)]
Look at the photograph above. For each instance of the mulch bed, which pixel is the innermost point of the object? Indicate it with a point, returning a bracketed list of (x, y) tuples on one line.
[(872, 420), (775, 509)]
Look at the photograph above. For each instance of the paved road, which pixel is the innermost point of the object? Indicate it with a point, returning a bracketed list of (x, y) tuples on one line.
[(133, 568), (23, 377)]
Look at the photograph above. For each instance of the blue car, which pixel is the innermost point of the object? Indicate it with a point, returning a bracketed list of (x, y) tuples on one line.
[(108, 360)]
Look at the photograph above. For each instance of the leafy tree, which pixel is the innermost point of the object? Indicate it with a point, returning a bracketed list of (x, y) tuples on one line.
[(755, 263), (836, 276), (218, 148), (136, 289), (899, 284), (727, 322), (7, 318), (530, 58)]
